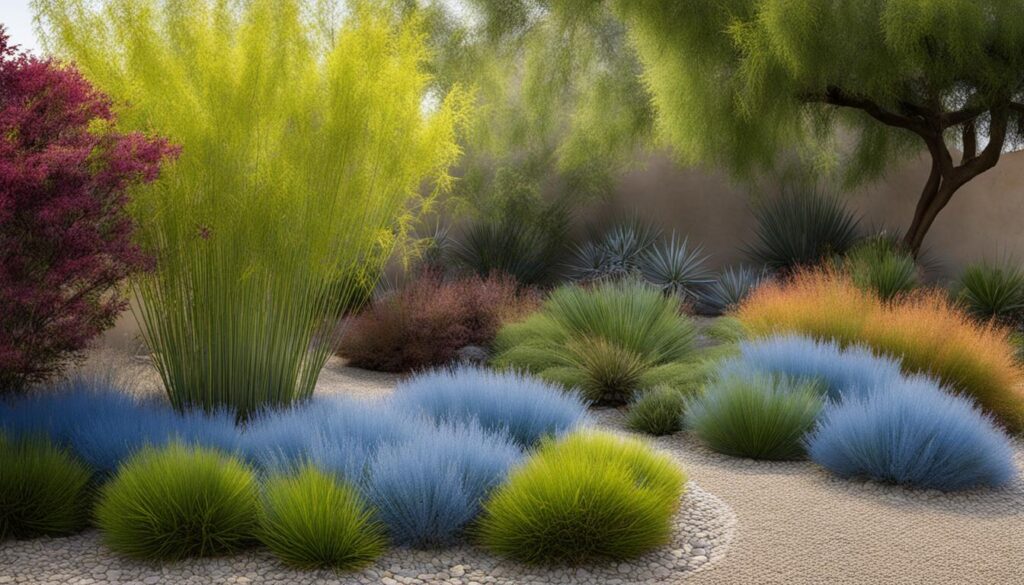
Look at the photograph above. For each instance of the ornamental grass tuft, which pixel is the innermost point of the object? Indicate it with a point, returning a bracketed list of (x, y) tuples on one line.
[(608, 341), (657, 412), (589, 497), (44, 490), (760, 416), (311, 520), (912, 433), (178, 502), (304, 146), (926, 332), (525, 408)]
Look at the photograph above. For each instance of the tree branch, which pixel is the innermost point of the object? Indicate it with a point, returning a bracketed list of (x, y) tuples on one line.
[(970, 140), (837, 97)]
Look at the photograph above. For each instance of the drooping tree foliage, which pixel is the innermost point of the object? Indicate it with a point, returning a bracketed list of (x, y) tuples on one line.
[(65, 237), (305, 140), (560, 109), (741, 82)]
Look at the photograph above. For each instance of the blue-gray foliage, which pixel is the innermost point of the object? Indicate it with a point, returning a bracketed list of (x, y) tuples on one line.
[(524, 407), (912, 433), (325, 430), (430, 487), (843, 371), (729, 289), (104, 425)]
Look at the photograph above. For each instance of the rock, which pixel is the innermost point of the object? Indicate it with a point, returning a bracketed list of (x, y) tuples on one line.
[(472, 354)]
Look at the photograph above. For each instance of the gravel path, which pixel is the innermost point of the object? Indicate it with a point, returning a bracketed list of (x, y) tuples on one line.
[(786, 523)]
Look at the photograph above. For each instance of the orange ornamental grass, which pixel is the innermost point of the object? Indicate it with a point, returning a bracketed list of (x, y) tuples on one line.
[(924, 330)]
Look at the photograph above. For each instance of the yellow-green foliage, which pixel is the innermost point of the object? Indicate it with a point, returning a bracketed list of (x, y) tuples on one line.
[(589, 496), (304, 147)]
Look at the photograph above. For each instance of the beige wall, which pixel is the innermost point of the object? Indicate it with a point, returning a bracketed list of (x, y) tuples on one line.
[(984, 219)]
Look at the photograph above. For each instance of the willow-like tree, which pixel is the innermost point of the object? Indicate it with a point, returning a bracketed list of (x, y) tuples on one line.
[(304, 146), (738, 82)]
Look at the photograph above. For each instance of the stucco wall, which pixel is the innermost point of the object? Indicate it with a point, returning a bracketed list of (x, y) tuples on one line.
[(984, 219)]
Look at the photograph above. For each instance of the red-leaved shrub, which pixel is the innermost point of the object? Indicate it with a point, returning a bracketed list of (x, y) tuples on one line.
[(426, 322), (65, 236)]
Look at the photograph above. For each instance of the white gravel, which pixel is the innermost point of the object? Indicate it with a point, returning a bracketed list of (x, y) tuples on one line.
[(701, 534)]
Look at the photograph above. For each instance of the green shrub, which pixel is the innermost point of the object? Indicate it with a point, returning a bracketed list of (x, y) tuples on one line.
[(760, 416), (990, 291), (657, 412), (310, 520), (591, 496), (44, 491), (607, 341), (878, 265), (177, 502)]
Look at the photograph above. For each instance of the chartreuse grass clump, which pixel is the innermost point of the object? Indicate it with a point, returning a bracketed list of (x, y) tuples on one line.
[(44, 491), (178, 502), (608, 341), (311, 520), (756, 415), (589, 497)]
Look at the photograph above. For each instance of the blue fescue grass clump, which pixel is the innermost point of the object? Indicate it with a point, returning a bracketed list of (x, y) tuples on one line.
[(429, 488), (912, 433), (104, 425), (336, 433), (524, 407), (842, 371)]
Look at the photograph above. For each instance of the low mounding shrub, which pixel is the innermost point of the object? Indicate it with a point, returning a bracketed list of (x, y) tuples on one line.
[(103, 425), (177, 502), (802, 227), (607, 341), (842, 371), (657, 412), (428, 489), (525, 408), (310, 520), (44, 491), (927, 333), (760, 416), (426, 322), (991, 291), (915, 434), (590, 496)]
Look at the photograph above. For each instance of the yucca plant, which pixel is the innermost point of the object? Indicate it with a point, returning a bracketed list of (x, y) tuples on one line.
[(993, 291), (302, 148), (677, 268), (607, 341), (729, 288), (802, 227)]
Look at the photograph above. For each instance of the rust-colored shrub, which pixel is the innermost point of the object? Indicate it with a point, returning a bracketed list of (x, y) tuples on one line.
[(924, 330), (424, 323)]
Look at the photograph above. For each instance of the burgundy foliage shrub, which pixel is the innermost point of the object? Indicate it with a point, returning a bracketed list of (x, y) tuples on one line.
[(65, 236), (426, 322)]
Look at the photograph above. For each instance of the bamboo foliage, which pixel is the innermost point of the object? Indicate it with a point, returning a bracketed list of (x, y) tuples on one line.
[(303, 153)]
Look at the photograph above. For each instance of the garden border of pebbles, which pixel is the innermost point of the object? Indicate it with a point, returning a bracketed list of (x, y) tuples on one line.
[(702, 531)]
